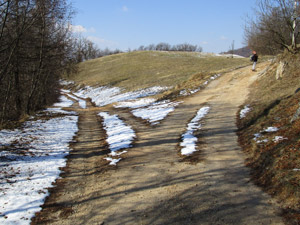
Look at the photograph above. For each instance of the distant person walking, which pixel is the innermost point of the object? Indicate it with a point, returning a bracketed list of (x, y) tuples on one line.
[(254, 59)]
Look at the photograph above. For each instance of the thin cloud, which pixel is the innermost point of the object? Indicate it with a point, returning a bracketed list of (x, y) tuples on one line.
[(204, 42), (102, 43), (125, 8), (78, 29), (223, 37), (81, 29)]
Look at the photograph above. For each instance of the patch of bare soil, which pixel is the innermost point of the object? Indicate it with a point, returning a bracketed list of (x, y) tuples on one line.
[(152, 184)]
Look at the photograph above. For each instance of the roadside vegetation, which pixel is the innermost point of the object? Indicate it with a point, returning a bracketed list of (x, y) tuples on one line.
[(274, 156), (269, 133)]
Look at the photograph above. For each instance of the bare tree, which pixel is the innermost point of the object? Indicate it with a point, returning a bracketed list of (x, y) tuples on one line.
[(275, 27), (162, 46), (34, 52)]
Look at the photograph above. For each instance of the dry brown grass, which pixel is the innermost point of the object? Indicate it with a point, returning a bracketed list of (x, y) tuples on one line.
[(137, 70), (273, 103)]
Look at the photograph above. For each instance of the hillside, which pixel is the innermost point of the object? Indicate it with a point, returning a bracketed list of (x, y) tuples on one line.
[(270, 132), (137, 70)]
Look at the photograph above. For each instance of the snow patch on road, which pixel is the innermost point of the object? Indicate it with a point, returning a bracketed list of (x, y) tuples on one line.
[(155, 112), (188, 139), (119, 135)]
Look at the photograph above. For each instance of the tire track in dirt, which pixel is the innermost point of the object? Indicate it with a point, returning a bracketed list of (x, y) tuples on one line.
[(152, 185)]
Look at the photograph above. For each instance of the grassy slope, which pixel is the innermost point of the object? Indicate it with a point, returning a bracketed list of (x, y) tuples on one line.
[(138, 70), (273, 103)]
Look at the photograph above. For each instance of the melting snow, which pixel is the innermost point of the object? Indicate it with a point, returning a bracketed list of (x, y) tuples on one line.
[(271, 129), (102, 96), (135, 103), (64, 102), (65, 91), (189, 140), (258, 137), (279, 138), (66, 82), (156, 111), (120, 136), (82, 103), (28, 170), (113, 162), (244, 111)]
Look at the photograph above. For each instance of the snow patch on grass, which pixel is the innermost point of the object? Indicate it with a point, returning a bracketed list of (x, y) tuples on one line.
[(66, 82), (30, 162), (270, 129), (279, 138), (135, 103), (82, 103), (259, 138), (32, 165), (64, 102), (244, 111), (102, 96)]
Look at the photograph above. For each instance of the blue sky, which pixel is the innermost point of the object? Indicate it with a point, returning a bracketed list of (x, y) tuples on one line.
[(124, 24)]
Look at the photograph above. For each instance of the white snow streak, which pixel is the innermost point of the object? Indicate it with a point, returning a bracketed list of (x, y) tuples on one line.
[(244, 111), (135, 103), (188, 139), (120, 136), (156, 111)]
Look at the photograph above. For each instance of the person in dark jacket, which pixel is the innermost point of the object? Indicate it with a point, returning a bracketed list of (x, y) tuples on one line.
[(254, 59)]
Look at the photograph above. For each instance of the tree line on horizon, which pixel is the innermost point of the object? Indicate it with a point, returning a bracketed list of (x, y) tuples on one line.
[(85, 49), (163, 46)]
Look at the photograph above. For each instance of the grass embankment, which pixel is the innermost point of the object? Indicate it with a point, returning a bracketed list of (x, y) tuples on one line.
[(276, 165), (137, 70)]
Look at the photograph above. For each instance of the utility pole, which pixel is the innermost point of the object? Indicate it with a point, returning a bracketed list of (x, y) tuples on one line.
[(232, 48)]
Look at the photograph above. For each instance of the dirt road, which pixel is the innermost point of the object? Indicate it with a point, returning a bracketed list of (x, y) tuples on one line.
[(152, 184)]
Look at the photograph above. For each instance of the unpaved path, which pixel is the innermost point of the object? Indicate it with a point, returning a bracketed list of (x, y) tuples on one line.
[(152, 184)]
